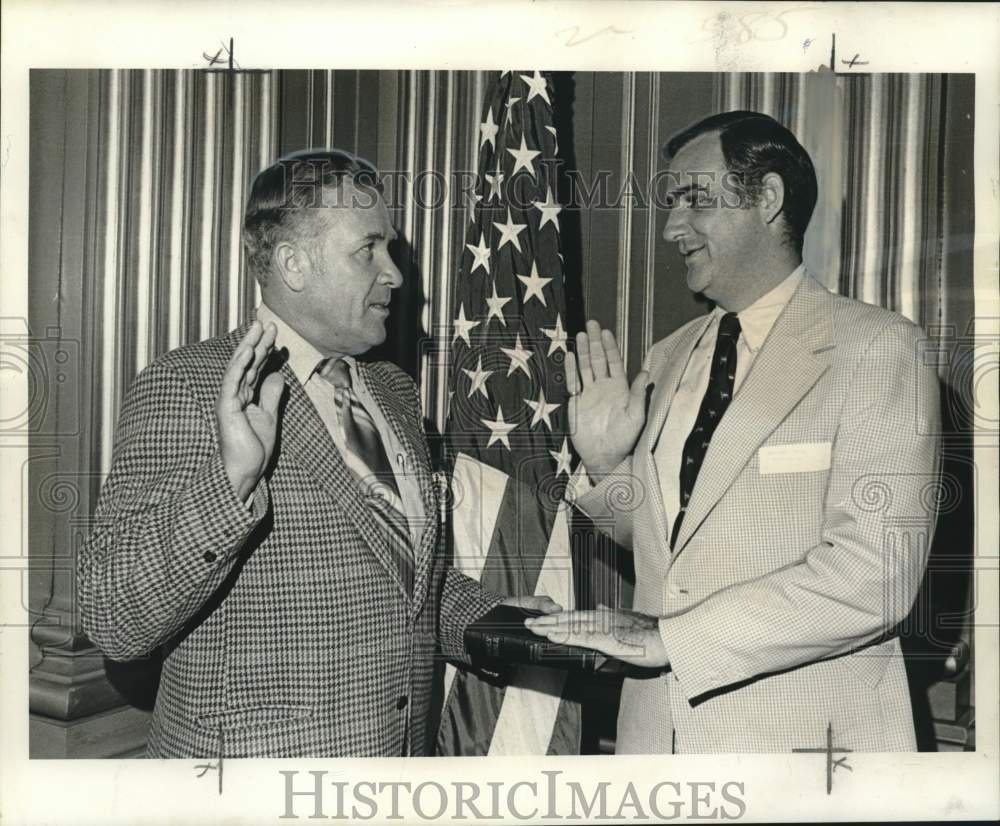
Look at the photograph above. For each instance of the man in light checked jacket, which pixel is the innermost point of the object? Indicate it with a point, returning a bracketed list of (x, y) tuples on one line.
[(780, 509), (298, 605)]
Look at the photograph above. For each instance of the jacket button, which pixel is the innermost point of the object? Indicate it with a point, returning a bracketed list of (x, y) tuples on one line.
[(401, 702), (209, 556)]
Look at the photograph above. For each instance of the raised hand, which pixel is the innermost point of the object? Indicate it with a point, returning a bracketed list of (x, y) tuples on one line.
[(606, 415), (247, 429)]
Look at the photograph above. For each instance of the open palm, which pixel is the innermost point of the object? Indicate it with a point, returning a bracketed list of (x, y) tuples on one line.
[(605, 414), (247, 429)]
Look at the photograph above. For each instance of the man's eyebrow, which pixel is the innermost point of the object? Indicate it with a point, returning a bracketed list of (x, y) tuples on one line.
[(379, 236), (686, 190)]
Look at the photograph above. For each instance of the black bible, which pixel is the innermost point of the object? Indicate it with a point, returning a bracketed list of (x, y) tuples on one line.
[(499, 639)]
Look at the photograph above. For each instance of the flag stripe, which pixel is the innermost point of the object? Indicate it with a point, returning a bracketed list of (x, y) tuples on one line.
[(528, 713), (512, 565), (474, 486), (527, 720)]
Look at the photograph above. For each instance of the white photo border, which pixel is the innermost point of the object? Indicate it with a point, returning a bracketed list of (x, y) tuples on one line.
[(442, 34)]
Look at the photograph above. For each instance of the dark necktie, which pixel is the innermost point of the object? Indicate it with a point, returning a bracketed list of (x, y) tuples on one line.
[(721, 378), (362, 439)]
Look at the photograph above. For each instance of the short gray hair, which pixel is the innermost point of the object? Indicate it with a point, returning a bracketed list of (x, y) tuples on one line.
[(283, 194)]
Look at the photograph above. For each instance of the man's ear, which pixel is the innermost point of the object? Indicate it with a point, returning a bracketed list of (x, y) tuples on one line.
[(292, 264), (772, 197)]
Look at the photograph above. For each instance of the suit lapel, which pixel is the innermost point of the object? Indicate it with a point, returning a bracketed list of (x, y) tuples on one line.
[(674, 363), (305, 437), (379, 383), (794, 356)]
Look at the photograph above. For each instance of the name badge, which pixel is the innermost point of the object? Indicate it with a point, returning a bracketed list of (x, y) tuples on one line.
[(806, 457)]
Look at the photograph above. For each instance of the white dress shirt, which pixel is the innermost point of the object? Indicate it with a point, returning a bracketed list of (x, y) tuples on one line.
[(756, 322), (304, 359)]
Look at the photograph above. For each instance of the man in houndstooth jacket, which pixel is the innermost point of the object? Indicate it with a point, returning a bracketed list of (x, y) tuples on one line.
[(233, 530), (767, 590)]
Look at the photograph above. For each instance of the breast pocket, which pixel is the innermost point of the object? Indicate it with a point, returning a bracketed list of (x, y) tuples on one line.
[(796, 457)]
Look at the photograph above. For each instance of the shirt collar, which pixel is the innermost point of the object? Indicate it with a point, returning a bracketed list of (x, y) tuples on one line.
[(303, 358), (757, 320)]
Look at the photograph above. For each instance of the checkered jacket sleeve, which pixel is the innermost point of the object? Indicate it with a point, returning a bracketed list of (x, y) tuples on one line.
[(853, 586), (168, 524), (463, 600)]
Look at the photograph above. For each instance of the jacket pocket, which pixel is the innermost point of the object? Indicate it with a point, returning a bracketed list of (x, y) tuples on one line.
[(252, 717)]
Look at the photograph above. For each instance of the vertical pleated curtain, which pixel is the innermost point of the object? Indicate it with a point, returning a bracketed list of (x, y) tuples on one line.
[(894, 209), (176, 152), (439, 142), (876, 141), (640, 225)]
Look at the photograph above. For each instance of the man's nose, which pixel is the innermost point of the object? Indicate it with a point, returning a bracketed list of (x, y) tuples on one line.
[(390, 275), (676, 224)]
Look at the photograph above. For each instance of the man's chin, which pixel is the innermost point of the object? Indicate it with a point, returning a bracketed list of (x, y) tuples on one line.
[(697, 281), (377, 337)]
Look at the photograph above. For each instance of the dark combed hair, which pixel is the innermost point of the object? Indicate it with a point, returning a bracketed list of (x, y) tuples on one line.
[(754, 145), (283, 194)]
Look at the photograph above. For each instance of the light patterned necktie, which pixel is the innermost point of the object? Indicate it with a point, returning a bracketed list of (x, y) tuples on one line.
[(721, 379), (361, 438)]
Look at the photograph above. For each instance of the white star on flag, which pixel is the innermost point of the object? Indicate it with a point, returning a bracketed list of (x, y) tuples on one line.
[(563, 458), (496, 304), (557, 335), (478, 378), (481, 255), (488, 130), (518, 357), (509, 233), (533, 285), (555, 139), (510, 102), (543, 410), (523, 157), (499, 429), (495, 182), (536, 83), (470, 203), (463, 326), (550, 210)]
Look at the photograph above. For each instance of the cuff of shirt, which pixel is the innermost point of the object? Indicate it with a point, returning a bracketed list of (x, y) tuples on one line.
[(667, 639), (579, 484), (257, 501), (592, 497)]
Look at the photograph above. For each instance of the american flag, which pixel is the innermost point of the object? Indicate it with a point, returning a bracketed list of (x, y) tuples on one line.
[(507, 434)]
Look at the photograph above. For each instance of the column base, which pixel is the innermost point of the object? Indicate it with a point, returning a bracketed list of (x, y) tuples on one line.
[(119, 732)]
